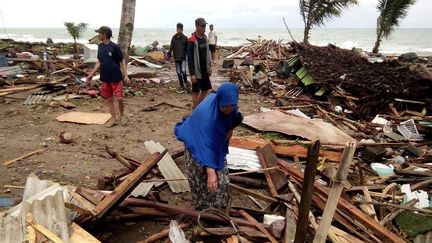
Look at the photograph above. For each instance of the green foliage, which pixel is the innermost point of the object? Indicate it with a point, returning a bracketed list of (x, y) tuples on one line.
[(316, 12), (414, 224), (392, 12), (75, 31)]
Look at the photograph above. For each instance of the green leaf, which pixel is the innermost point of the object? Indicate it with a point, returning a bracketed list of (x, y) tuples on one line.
[(320, 92)]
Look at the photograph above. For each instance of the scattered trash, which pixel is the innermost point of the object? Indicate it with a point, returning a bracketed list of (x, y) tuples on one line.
[(382, 169)]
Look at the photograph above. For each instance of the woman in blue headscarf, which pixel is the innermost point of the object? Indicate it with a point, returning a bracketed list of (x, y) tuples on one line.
[(206, 133)]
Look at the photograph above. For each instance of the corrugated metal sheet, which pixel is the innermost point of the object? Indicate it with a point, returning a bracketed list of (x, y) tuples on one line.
[(168, 168), (45, 201), (425, 238), (242, 159), (142, 189)]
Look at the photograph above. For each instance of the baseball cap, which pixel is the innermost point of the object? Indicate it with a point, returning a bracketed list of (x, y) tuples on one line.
[(200, 21), (105, 30)]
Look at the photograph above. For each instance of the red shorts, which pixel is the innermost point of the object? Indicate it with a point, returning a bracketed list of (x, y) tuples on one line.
[(109, 90)]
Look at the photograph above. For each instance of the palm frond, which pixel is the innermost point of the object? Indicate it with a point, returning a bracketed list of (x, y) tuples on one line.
[(392, 12), (316, 12), (75, 30), (327, 10)]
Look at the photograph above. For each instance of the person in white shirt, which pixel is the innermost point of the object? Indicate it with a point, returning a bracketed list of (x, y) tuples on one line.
[(212, 42)]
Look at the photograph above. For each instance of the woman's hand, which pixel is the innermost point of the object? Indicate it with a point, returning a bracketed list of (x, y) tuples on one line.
[(212, 182)]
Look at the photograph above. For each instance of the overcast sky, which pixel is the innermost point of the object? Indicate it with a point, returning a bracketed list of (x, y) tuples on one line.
[(166, 13)]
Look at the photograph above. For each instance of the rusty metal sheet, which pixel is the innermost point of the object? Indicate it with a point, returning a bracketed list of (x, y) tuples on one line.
[(311, 129)]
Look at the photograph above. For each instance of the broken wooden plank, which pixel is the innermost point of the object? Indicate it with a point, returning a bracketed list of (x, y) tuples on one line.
[(291, 150), (169, 169), (348, 208), (125, 188), (307, 191), (79, 235), (268, 159), (369, 208), (84, 202), (269, 179), (335, 192), (258, 225), (290, 226), (253, 194), (23, 156), (41, 229), (163, 234), (119, 158), (87, 195)]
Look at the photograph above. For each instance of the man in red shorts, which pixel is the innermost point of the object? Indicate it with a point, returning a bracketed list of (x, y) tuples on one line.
[(111, 64)]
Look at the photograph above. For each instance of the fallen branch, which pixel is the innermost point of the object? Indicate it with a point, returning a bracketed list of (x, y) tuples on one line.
[(23, 156)]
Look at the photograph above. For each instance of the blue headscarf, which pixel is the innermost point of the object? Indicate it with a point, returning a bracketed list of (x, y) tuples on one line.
[(204, 132)]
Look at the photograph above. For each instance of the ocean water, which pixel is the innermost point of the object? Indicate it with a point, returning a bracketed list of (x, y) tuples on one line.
[(402, 40)]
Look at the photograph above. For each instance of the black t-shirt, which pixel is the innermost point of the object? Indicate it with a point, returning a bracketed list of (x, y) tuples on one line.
[(110, 56), (202, 47)]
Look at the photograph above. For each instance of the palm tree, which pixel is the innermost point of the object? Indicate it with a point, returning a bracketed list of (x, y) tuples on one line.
[(316, 12), (392, 11), (126, 26), (76, 32)]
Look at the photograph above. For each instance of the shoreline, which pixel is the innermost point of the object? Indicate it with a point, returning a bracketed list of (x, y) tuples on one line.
[(420, 54), (403, 40)]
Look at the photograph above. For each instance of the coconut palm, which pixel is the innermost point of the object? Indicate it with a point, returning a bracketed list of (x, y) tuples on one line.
[(316, 12), (76, 32), (126, 26), (391, 13)]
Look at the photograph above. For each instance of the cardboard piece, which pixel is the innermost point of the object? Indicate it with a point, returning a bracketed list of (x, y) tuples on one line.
[(84, 117)]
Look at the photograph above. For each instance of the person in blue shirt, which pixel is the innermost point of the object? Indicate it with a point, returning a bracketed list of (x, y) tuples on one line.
[(113, 71), (206, 134)]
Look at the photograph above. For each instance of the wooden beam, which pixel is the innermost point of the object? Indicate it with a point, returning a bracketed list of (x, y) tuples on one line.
[(405, 207), (307, 191), (268, 177), (258, 225), (122, 191), (271, 160), (253, 194), (335, 192)]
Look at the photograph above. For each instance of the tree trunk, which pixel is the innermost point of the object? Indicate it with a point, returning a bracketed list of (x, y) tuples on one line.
[(76, 54), (377, 43), (306, 34), (126, 26)]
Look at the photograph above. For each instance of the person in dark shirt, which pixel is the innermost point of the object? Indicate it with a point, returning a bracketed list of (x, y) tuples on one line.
[(178, 47), (111, 64), (199, 62)]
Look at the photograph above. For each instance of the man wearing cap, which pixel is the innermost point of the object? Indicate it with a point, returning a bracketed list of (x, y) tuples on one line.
[(199, 62), (178, 46), (212, 42), (111, 64)]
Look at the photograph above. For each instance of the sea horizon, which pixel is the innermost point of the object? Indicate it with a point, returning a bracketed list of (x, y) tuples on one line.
[(402, 39)]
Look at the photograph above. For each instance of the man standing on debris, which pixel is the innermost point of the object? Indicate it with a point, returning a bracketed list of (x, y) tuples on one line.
[(206, 134), (111, 64), (199, 62), (179, 47), (212, 42)]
